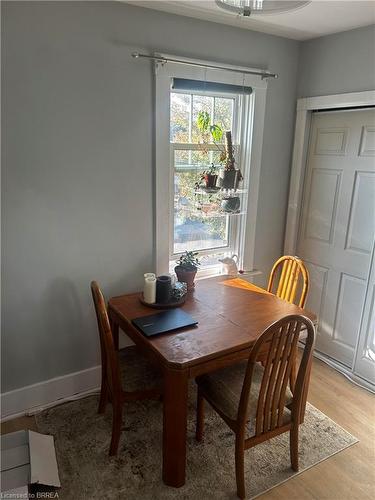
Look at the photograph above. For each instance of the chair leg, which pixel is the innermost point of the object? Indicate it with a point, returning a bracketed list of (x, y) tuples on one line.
[(103, 397), (293, 436), (240, 467), (116, 428), (200, 417)]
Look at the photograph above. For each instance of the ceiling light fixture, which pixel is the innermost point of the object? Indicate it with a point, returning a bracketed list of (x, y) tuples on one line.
[(248, 8)]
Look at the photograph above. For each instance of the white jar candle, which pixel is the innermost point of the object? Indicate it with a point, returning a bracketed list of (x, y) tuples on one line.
[(149, 290), (149, 275)]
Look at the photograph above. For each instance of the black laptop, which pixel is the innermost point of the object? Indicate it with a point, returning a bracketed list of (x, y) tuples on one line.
[(163, 322)]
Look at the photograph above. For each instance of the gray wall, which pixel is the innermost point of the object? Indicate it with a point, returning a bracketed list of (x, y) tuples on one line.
[(339, 63), (77, 165)]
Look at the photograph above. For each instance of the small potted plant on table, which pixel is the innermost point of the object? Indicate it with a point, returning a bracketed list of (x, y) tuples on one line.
[(187, 267)]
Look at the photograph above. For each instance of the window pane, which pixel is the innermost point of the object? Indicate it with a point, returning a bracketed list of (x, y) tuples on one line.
[(180, 117), (194, 228), (220, 110), (223, 112), (201, 158), (181, 159), (197, 160), (200, 103)]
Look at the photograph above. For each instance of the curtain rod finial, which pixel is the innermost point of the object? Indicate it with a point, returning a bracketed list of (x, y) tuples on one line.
[(270, 75), (135, 55)]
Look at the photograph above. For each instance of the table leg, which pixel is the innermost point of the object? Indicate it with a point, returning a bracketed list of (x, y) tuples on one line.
[(175, 399)]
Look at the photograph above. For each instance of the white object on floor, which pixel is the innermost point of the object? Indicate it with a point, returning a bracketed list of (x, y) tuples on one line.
[(27, 457)]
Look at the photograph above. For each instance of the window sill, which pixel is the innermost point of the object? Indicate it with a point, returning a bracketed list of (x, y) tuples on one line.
[(211, 273)]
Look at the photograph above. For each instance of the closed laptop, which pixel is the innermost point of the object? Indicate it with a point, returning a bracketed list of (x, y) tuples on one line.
[(163, 322)]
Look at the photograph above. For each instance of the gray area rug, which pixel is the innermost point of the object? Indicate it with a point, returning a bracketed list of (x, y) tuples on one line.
[(82, 438)]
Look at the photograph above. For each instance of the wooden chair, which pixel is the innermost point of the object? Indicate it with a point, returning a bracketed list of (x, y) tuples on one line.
[(254, 400), (293, 280), (126, 365), (291, 270)]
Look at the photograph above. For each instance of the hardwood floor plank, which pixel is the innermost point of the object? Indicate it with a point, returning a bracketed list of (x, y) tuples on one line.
[(18, 424)]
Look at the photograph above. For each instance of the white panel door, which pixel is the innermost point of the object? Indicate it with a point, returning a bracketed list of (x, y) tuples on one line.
[(365, 356), (337, 230)]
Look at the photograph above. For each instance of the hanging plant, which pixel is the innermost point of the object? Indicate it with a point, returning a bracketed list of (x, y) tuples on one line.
[(229, 152), (206, 129), (210, 177), (210, 133), (228, 177)]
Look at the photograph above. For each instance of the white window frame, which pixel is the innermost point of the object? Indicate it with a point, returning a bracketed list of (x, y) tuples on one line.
[(251, 150)]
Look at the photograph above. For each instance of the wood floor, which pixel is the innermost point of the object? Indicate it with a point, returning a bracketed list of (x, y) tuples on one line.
[(349, 475)]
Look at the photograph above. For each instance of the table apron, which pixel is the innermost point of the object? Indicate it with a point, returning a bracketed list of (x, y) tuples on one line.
[(138, 340), (220, 361)]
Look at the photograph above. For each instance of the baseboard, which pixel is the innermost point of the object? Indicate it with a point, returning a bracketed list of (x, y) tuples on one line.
[(36, 397), (345, 371)]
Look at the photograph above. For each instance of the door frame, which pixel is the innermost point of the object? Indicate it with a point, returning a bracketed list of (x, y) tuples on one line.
[(305, 108)]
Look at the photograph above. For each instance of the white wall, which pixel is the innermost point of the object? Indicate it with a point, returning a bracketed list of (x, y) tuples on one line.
[(77, 161), (339, 63)]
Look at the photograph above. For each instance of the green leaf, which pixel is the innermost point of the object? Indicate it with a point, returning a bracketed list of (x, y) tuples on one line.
[(203, 121), (216, 132)]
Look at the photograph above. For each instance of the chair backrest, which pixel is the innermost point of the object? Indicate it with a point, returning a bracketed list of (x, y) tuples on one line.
[(282, 339), (291, 270), (107, 347)]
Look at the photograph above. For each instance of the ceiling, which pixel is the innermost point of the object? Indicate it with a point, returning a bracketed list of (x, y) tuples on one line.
[(321, 17)]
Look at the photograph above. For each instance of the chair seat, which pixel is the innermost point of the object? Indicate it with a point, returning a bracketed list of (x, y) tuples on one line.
[(222, 389), (137, 373)]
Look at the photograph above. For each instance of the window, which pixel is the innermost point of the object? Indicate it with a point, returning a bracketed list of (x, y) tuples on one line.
[(187, 216), (198, 222)]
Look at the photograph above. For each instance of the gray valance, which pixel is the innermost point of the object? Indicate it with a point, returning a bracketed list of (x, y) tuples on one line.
[(202, 86)]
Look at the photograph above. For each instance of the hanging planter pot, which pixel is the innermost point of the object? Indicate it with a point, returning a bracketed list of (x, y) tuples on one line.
[(210, 181), (231, 204), (228, 179)]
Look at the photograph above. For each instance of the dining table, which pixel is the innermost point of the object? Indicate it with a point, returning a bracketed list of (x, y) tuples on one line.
[(232, 313)]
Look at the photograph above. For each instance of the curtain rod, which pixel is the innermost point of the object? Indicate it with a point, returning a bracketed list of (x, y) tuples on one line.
[(163, 60)]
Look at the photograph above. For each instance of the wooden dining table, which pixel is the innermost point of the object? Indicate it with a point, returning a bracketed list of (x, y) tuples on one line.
[(231, 313)]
